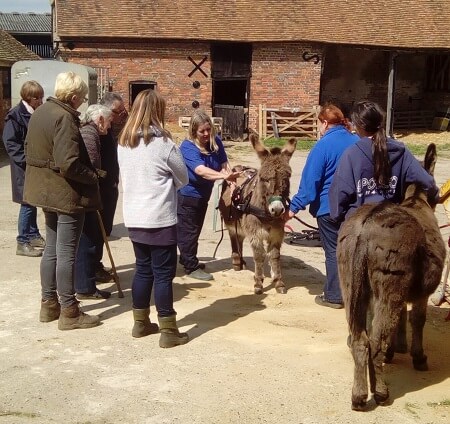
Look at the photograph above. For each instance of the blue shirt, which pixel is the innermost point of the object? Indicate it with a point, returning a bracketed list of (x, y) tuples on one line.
[(319, 169), (198, 186)]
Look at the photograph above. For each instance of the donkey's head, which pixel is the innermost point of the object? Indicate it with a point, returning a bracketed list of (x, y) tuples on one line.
[(271, 191), (429, 162)]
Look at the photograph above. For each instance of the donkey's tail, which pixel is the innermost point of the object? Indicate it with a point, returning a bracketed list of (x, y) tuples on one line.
[(358, 298)]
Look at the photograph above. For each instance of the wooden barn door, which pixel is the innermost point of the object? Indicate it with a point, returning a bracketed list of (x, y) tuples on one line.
[(231, 71)]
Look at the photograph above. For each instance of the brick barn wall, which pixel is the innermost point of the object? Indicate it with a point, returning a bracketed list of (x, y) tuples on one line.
[(282, 78), (167, 64)]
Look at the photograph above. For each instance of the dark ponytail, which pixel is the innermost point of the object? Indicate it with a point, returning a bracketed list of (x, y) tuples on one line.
[(369, 117)]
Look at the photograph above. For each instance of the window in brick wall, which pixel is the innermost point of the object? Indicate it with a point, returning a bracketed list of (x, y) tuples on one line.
[(135, 87), (438, 73)]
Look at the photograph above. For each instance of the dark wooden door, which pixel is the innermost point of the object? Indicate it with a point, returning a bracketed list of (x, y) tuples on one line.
[(233, 120), (231, 72)]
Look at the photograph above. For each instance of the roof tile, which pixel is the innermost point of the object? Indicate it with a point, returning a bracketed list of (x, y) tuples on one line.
[(12, 50), (387, 23)]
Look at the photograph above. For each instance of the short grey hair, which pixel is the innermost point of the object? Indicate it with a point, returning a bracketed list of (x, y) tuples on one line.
[(109, 98), (94, 112)]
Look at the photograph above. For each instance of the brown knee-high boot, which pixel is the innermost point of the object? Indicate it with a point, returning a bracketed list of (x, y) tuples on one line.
[(142, 324), (170, 336)]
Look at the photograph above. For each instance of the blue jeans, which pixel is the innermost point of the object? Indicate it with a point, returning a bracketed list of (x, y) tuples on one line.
[(191, 212), (328, 230), (155, 266), (85, 263), (27, 224), (58, 261)]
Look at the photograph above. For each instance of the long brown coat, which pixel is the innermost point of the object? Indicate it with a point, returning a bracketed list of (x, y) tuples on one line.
[(59, 174)]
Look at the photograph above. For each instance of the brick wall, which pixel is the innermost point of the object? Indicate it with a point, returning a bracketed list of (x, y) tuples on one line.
[(168, 65), (280, 77)]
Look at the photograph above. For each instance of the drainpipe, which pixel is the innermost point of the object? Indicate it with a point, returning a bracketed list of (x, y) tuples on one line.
[(390, 96)]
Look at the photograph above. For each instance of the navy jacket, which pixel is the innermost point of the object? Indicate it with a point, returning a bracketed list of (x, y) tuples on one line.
[(14, 133), (353, 183)]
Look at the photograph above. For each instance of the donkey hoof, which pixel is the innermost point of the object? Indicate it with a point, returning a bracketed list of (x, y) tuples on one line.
[(258, 290), (381, 398), (359, 403), (281, 290), (389, 355), (420, 364)]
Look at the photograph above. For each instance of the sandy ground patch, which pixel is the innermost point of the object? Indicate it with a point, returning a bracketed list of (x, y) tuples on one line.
[(251, 359)]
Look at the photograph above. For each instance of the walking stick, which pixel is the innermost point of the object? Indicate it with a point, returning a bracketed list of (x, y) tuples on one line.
[(111, 260), (445, 280)]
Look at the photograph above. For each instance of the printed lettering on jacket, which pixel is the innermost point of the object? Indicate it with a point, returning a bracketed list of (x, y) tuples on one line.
[(368, 186)]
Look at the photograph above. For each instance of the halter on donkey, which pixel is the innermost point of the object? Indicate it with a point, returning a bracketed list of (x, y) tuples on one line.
[(255, 210)]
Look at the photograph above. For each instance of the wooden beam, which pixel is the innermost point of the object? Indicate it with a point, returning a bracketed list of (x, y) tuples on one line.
[(390, 96)]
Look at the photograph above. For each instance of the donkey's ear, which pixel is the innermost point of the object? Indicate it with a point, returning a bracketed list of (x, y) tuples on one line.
[(289, 147), (430, 158), (258, 146)]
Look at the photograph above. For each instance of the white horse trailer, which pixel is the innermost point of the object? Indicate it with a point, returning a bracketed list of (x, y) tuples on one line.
[(45, 72)]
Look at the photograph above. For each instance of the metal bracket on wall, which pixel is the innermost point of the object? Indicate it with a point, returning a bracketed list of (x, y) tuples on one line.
[(307, 57), (198, 66)]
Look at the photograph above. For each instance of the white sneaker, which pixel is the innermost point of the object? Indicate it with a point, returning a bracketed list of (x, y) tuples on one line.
[(199, 274)]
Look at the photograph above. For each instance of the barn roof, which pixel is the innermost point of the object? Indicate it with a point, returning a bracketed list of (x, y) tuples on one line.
[(20, 23), (12, 50), (409, 24)]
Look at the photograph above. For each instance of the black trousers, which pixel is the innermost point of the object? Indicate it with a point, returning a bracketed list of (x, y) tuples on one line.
[(191, 216)]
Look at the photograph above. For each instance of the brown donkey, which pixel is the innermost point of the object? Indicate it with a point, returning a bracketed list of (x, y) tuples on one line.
[(255, 210), (387, 255)]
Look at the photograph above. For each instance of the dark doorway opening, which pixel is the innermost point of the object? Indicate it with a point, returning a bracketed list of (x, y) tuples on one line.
[(230, 92), (135, 87), (231, 72)]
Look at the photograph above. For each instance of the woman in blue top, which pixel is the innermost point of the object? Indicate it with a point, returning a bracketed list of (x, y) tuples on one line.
[(376, 168), (313, 190), (206, 162)]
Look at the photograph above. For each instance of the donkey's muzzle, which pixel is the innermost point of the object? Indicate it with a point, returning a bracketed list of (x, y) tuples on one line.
[(276, 206)]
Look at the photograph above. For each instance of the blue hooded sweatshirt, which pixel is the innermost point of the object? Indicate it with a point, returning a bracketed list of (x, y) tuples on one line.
[(319, 170), (353, 183)]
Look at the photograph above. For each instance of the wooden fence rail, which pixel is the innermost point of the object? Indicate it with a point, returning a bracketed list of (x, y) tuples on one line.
[(288, 122)]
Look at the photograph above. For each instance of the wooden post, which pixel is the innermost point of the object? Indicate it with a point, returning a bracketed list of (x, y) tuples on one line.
[(260, 119), (274, 125), (390, 96)]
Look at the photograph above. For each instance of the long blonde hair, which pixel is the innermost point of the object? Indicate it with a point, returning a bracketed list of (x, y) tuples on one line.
[(198, 118), (146, 119)]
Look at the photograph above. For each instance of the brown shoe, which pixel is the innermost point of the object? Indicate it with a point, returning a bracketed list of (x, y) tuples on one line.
[(50, 310), (38, 242), (72, 317), (26, 249)]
